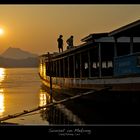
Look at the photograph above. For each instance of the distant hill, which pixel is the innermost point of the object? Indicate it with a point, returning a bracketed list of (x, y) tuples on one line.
[(19, 63), (17, 53), (15, 57)]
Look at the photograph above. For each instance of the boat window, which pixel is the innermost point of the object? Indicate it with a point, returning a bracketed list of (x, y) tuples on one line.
[(104, 65), (97, 64), (86, 65), (110, 64), (76, 65), (94, 65), (138, 61)]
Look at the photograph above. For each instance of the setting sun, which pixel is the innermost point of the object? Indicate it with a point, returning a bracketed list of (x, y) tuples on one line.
[(1, 31)]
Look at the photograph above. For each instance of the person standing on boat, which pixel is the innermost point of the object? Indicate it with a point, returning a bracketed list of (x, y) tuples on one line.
[(60, 43), (70, 42)]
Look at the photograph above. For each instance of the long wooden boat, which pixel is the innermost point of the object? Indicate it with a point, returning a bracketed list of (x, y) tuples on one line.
[(103, 59)]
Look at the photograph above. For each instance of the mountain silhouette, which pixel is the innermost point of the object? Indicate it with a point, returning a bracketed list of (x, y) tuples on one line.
[(15, 58), (17, 53)]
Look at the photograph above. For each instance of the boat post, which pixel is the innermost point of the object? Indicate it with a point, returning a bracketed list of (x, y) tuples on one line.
[(49, 60)]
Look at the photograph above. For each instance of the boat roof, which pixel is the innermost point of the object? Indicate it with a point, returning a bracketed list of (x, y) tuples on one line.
[(92, 37), (132, 29)]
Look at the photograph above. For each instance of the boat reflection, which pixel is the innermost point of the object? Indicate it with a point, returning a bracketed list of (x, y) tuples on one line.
[(56, 114), (42, 98)]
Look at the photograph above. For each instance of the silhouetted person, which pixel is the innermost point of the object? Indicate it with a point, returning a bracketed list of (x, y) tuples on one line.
[(70, 42), (60, 43)]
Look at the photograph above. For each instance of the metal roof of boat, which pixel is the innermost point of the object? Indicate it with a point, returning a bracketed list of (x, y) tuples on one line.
[(91, 37), (131, 29)]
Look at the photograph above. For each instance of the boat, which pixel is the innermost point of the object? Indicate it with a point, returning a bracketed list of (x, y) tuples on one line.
[(108, 59)]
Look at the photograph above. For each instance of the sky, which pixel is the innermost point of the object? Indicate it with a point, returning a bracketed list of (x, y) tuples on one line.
[(35, 28)]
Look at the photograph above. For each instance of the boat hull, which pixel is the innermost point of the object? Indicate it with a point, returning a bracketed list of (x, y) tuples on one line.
[(116, 84)]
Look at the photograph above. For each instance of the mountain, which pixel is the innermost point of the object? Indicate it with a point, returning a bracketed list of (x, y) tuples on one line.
[(17, 53), (15, 58)]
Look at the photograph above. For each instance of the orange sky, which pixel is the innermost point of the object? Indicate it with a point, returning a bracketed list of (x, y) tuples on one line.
[(35, 28)]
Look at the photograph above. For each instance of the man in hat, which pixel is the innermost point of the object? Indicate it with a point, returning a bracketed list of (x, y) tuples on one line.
[(60, 43)]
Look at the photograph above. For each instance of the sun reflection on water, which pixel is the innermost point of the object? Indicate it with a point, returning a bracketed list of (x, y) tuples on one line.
[(2, 76), (1, 102)]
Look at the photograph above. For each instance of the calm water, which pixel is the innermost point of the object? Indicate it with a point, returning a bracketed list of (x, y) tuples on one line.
[(20, 89)]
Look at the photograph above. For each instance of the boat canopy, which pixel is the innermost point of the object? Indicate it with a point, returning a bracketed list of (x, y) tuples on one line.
[(92, 37), (132, 29)]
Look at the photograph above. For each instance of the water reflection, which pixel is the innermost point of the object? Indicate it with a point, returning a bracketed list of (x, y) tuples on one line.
[(57, 114), (44, 98), (1, 102), (2, 76)]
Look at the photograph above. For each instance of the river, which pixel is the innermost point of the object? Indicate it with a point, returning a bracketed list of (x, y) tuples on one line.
[(20, 89)]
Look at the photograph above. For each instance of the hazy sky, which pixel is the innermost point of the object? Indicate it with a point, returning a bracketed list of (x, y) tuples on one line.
[(35, 28)]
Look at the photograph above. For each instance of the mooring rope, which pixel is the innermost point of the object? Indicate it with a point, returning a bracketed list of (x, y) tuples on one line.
[(50, 104)]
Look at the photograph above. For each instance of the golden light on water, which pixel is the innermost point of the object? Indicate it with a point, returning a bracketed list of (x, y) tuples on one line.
[(1, 102), (2, 74)]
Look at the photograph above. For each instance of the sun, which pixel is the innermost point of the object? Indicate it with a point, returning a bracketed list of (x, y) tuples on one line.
[(1, 31)]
